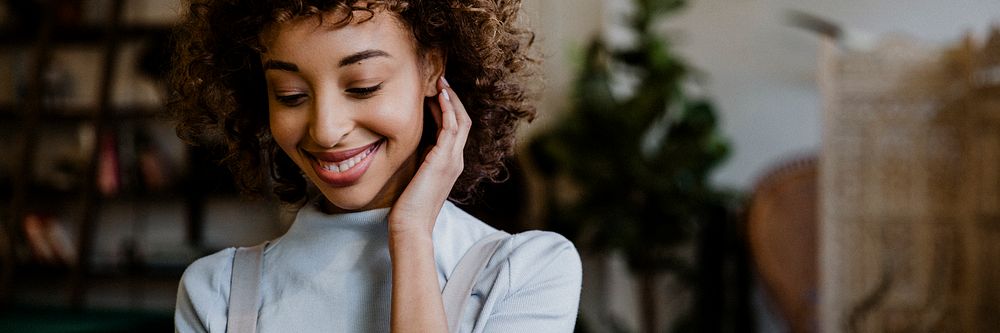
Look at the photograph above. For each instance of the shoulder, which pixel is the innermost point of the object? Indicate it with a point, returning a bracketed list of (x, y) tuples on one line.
[(454, 233), (536, 257), (203, 294), (540, 243), (533, 285), (524, 259), (454, 219), (210, 273), (527, 253)]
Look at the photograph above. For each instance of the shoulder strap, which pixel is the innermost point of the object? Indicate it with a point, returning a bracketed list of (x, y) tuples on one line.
[(459, 286), (244, 291)]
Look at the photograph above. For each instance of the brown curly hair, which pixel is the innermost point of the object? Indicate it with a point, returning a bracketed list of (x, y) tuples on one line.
[(218, 95)]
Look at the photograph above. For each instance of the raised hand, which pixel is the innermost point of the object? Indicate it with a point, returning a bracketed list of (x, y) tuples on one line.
[(418, 206), (416, 293)]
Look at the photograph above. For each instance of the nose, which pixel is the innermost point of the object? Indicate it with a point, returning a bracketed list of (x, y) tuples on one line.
[(330, 124)]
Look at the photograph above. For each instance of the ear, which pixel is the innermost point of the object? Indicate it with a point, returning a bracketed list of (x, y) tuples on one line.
[(433, 68)]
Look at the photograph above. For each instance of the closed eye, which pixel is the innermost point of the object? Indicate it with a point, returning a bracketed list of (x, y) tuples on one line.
[(364, 92), (291, 100)]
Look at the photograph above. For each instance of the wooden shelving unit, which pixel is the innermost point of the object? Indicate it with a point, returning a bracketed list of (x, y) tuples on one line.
[(79, 35), (32, 115)]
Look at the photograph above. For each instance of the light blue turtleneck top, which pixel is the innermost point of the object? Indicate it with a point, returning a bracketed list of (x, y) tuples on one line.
[(331, 273)]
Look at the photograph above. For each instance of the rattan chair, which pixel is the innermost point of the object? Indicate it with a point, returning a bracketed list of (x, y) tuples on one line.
[(782, 220)]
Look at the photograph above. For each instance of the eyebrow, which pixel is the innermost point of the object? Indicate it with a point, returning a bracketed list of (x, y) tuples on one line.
[(354, 58), (348, 60), (280, 65)]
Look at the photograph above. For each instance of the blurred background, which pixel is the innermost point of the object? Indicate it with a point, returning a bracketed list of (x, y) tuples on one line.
[(722, 166)]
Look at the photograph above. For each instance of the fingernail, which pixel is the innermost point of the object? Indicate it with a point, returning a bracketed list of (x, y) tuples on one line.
[(445, 93), (445, 81)]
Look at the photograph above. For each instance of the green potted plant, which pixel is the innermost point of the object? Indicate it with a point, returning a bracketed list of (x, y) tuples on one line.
[(636, 164)]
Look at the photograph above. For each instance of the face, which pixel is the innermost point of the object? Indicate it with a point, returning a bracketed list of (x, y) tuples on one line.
[(347, 104)]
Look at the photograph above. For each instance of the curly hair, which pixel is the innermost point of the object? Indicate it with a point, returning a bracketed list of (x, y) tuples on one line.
[(218, 95)]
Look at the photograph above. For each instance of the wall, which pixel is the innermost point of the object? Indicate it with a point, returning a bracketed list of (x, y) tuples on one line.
[(762, 72)]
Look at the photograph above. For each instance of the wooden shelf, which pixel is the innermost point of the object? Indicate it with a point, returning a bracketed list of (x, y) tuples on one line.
[(35, 119), (82, 113), (82, 35)]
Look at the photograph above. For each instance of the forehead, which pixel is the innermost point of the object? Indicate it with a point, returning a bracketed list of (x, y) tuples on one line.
[(321, 35)]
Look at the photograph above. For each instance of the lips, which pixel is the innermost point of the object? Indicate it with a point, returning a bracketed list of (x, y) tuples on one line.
[(345, 167)]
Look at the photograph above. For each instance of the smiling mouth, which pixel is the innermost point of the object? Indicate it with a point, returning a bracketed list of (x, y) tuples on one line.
[(344, 168), (343, 161)]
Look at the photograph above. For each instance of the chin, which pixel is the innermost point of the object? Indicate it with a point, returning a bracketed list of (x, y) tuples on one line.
[(351, 200)]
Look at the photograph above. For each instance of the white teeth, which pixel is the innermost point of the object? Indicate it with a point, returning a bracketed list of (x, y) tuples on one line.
[(346, 164)]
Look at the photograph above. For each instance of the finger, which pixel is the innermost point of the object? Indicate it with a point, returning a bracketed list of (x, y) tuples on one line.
[(435, 110), (449, 124), (462, 119), (447, 99), (464, 124)]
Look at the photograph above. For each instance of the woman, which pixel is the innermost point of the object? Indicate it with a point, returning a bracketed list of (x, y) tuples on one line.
[(349, 99)]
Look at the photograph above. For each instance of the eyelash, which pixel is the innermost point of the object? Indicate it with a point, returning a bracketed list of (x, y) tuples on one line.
[(291, 100), (365, 92), (297, 99)]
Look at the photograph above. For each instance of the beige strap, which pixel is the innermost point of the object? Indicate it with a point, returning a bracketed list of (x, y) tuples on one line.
[(459, 286), (244, 293)]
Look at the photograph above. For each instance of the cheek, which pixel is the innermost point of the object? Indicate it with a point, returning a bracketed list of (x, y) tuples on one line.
[(285, 130), (402, 119), (403, 133)]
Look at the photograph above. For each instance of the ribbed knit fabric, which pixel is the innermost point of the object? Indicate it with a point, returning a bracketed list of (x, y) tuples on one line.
[(331, 273)]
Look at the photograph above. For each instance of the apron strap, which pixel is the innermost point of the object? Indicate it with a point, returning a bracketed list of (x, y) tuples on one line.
[(458, 288), (244, 293)]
